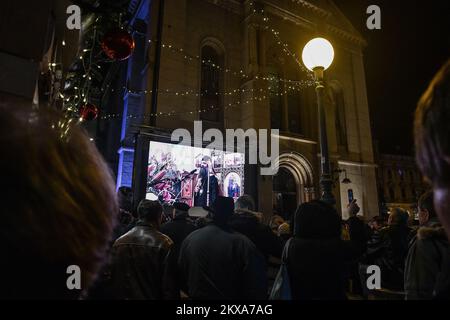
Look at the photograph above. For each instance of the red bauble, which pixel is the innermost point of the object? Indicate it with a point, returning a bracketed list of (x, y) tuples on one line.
[(89, 112), (118, 44)]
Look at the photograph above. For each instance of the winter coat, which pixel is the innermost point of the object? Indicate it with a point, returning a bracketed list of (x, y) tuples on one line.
[(388, 251), (316, 269), (247, 223), (219, 263), (427, 272), (359, 235), (177, 230)]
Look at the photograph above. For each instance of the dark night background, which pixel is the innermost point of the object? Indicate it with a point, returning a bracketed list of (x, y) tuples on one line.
[(400, 60)]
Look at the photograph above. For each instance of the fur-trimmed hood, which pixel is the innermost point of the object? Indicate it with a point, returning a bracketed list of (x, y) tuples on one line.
[(435, 231), (258, 215)]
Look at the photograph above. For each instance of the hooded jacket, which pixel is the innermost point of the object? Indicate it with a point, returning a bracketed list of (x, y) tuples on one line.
[(427, 271)]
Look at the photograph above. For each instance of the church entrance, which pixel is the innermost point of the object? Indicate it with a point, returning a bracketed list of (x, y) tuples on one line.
[(292, 185), (285, 193)]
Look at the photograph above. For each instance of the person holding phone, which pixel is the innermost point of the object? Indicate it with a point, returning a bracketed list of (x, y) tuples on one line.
[(359, 236)]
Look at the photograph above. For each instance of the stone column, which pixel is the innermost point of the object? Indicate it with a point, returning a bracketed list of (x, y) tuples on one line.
[(256, 113)]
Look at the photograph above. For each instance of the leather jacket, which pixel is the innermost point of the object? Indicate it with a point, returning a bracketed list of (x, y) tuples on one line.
[(141, 265)]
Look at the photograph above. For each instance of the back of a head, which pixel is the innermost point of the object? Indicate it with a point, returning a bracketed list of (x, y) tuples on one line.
[(432, 129), (398, 217), (426, 203), (245, 202), (167, 209), (60, 206), (379, 220), (316, 220), (149, 211), (275, 221), (223, 209), (125, 195), (181, 209)]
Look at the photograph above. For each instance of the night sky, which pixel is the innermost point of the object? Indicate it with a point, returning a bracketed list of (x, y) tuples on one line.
[(400, 60)]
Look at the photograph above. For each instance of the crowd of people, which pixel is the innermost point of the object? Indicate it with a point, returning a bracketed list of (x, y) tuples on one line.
[(231, 254), (61, 209)]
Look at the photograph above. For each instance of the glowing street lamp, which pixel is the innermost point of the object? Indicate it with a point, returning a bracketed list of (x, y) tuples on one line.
[(318, 53), (317, 56)]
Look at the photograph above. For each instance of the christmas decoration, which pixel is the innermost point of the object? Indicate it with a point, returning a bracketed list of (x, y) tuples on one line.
[(88, 112), (118, 44)]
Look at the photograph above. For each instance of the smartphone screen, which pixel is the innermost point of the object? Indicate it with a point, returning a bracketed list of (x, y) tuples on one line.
[(350, 195)]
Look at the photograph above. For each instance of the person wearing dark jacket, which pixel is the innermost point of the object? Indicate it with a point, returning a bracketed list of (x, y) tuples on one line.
[(180, 227), (427, 270), (126, 220), (220, 263), (246, 221), (390, 250), (177, 230), (315, 259), (359, 233), (140, 266)]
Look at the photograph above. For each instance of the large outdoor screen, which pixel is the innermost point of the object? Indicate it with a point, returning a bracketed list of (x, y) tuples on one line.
[(195, 176)]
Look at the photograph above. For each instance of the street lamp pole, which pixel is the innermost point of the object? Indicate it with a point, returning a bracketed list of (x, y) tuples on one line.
[(326, 182), (317, 56)]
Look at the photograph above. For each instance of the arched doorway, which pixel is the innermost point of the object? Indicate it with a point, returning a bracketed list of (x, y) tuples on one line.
[(285, 193), (293, 184)]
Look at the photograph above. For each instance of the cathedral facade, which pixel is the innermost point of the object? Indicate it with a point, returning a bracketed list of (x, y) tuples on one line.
[(237, 64)]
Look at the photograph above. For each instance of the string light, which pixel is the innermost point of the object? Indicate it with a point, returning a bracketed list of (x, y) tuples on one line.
[(173, 113), (240, 73), (89, 69), (233, 92)]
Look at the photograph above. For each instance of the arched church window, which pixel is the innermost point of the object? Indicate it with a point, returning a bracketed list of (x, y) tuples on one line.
[(210, 90), (294, 96), (338, 102), (391, 194)]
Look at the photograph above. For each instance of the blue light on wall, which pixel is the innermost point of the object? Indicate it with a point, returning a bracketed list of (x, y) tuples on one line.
[(136, 78)]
